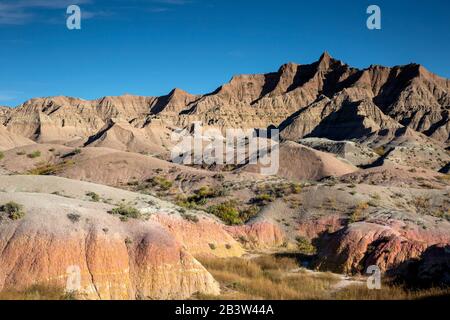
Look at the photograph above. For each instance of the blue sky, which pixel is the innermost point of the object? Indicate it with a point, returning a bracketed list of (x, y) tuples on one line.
[(147, 47)]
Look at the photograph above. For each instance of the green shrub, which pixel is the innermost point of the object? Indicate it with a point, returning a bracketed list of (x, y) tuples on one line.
[(21, 153), (183, 202), (202, 195), (13, 210), (2, 155), (263, 199), (126, 211), (160, 182), (227, 212), (73, 217), (305, 246), (248, 213), (219, 177), (34, 154), (94, 197)]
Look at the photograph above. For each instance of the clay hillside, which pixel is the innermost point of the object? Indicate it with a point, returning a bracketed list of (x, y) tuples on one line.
[(363, 180)]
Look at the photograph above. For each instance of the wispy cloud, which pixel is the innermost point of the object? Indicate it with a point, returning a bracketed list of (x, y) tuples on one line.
[(20, 12), (7, 95), (158, 10), (167, 5), (17, 12), (173, 2)]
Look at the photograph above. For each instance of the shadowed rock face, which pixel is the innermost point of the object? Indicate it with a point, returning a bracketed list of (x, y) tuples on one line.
[(356, 247)]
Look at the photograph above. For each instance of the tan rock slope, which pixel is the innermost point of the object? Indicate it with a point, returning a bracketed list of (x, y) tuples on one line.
[(9, 140), (298, 162)]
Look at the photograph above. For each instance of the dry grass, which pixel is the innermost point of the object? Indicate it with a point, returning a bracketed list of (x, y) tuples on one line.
[(37, 292), (49, 168), (274, 278), (387, 292), (358, 212), (266, 277)]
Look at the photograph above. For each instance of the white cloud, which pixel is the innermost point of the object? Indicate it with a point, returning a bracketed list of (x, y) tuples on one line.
[(23, 11)]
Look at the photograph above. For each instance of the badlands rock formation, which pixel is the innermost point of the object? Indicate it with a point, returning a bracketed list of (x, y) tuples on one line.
[(327, 98), (362, 180)]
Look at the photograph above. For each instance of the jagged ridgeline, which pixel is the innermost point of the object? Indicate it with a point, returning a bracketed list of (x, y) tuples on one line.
[(327, 98)]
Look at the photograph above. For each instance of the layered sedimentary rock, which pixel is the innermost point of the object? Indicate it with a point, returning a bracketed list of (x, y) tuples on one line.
[(61, 240), (327, 98), (387, 245)]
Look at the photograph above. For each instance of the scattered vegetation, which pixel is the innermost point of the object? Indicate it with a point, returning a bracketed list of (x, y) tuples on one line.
[(34, 154), (421, 204), (443, 178), (381, 151), (38, 292), (74, 217), (227, 212), (358, 212), (219, 177), (72, 153), (305, 246), (272, 277), (267, 193), (94, 197), (13, 210), (50, 169), (190, 217), (126, 211), (160, 182), (388, 292), (248, 213), (441, 214), (266, 277), (200, 197), (2, 155), (263, 199)]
